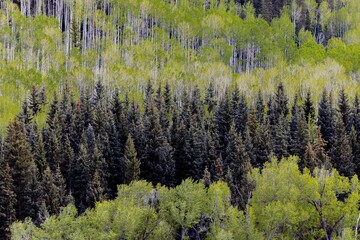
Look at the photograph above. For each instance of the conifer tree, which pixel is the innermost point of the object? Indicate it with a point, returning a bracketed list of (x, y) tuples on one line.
[(157, 163), (322, 157), (210, 98), (94, 190), (40, 156), (340, 153), (326, 120), (132, 170), (241, 115), (309, 160), (82, 175), (23, 169), (222, 119), (207, 177), (238, 162), (309, 109), (49, 192), (7, 201), (298, 132), (60, 185), (280, 144), (345, 110)]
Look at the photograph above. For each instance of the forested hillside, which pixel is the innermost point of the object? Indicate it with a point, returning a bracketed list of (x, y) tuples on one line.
[(303, 43), (139, 119)]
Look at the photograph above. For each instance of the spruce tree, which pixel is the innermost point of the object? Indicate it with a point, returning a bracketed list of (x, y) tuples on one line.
[(326, 120), (238, 162), (49, 192), (23, 169), (94, 190), (340, 153), (241, 115), (345, 110), (298, 132), (7, 201), (309, 109), (132, 170), (210, 98)]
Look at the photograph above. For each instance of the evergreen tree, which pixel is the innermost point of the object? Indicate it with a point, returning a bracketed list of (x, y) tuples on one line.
[(309, 160), (238, 162), (82, 175), (322, 158), (94, 190), (210, 98), (309, 109), (49, 192), (241, 115), (326, 120), (222, 119), (280, 144), (132, 170), (23, 169), (345, 111), (157, 164), (340, 153), (298, 132), (60, 185), (7, 201)]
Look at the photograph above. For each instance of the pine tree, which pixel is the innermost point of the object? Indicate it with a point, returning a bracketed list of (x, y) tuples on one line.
[(207, 177), (345, 111), (239, 162), (309, 109), (50, 193), (280, 144), (40, 156), (222, 119), (132, 170), (82, 175), (23, 169), (340, 153), (241, 115), (60, 185), (157, 164), (210, 98), (267, 10), (94, 190), (309, 160), (322, 158), (7, 201), (298, 132), (326, 120)]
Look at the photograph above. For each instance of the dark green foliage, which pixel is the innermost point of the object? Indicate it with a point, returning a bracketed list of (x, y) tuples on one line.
[(7, 201), (308, 106), (173, 138), (345, 111), (23, 169), (340, 153), (238, 164), (326, 120), (132, 169), (241, 115), (298, 132)]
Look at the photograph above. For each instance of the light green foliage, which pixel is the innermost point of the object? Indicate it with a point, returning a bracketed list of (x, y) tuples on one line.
[(127, 49), (287, 203), (183, 205)]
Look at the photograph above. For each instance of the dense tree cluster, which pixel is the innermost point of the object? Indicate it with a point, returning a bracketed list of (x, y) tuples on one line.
[(293, 205), (125, 43), (91, 144)]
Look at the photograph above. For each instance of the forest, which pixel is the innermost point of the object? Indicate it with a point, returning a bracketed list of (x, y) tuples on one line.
[(179, 119)]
